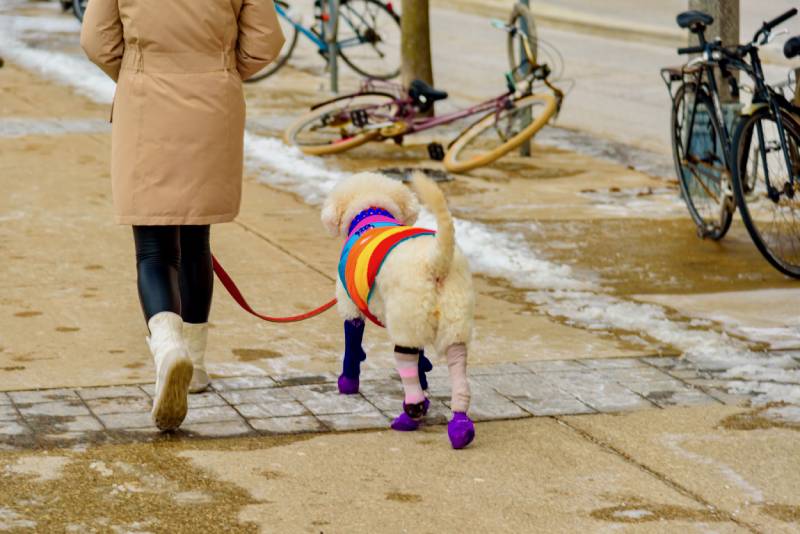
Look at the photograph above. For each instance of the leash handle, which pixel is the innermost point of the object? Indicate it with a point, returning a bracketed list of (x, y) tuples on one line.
[(230, 285)]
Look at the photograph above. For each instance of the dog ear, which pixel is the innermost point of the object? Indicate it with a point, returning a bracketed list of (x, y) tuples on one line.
[(332, 215)]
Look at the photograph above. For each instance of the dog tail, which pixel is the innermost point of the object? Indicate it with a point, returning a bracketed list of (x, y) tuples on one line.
[(432, 198)]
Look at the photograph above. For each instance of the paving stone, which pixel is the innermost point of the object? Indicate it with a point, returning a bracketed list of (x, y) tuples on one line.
[(45, 395), (4, 399), (438, 413), (212, 414), (7, 412), (120, 405), (51, 425), (731, 399), (554, 406), (612, 363), (207, 398), (287, 425), (637, 375), (662, 361), (225, 429), (685, 397), (488, 407), (272, 409), (497, 369), (546, 366), (326, 400), (125, 421), (242, 382), (257, 396), (115, 392), (368, 375), (360, 421), (9, 429), (54, 409), (600, 393), (302, 379), (384, 395), (520, 385), (150, 389)]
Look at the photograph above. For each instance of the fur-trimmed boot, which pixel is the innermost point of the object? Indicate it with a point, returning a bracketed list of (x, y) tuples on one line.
[(196, 335), (173, 370)]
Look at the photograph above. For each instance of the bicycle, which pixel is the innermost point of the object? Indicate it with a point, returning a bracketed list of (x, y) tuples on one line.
[(78, 7), (766, 168), (700, 138), (382, 110), (368, 37)]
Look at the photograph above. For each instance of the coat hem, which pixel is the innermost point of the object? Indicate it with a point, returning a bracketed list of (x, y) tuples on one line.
[(145, 220)]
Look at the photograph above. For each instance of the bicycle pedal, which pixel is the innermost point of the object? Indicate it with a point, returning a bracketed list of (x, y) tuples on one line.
[(359, 118), (436, 151)]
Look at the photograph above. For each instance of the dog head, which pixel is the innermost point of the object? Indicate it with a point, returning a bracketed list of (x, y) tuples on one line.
[(362, 191)]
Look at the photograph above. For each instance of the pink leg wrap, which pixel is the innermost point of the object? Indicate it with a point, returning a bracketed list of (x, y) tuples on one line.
[(409, 375), (457, 365)]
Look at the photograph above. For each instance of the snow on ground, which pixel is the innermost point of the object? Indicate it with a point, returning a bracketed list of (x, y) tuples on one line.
[(492, 251)]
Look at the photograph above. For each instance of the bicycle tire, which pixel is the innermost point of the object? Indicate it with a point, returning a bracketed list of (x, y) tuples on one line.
[(746, 198), (282, 59), (452, 161), (717, 228), (346, 104), (351, 62), (79, 8), (518, 14)]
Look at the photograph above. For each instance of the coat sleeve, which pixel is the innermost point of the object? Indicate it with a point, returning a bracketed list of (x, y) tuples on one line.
[(260, 37), (101, 36)]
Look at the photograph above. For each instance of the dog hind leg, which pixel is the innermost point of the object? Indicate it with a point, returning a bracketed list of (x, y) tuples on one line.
[(424, 366), (460, 429), (353, 356), (415, 405)]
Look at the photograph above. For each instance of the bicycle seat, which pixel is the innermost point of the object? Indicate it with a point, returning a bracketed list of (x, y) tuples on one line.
[(792, 47), (424, 95), (695, 21)]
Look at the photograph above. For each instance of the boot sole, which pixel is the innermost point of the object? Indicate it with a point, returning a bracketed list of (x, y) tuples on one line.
[(171, 402)]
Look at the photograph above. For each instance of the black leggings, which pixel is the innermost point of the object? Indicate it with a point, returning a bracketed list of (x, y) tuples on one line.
[(174, 269)]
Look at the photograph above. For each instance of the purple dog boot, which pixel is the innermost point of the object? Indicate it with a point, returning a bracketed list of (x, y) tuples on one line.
[(347, 385), (411, 417), (460, 430)]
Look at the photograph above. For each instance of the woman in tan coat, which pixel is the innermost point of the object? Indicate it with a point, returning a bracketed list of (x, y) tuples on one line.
[(176, 156)]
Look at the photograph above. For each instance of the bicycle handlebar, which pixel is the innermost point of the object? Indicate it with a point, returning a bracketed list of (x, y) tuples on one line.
[(691, 49), (767, 26)]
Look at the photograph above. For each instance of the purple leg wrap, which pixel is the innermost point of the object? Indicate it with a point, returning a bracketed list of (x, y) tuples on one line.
[(353, 356)]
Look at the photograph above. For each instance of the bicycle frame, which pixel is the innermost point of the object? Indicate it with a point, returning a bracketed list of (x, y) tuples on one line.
[(318, 39)]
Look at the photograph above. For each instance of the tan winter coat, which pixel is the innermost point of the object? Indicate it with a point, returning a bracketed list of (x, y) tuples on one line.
[(178, 113)]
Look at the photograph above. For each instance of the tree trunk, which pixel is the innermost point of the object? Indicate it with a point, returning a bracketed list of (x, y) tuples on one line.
[(416, 42)]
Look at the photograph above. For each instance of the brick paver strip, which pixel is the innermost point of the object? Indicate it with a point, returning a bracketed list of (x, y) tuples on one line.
[(292, 403)]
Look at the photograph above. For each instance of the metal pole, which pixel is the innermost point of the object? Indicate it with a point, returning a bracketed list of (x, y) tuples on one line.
[(333, 46), (525, 148)]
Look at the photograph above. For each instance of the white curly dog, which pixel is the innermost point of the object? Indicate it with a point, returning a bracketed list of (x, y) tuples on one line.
[(414, 281)]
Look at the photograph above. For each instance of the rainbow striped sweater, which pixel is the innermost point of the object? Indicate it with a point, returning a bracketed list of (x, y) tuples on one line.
[(373, 234)]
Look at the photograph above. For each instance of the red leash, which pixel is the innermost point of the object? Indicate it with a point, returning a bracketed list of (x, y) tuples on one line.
[(230, 285)]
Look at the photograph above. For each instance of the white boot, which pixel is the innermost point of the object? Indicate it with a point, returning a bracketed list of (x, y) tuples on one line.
[(173, 370), (196, 336)]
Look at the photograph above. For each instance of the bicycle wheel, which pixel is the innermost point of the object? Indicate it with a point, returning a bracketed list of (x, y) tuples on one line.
[(290, 34), (499, 132), (79, 8), (523, 44), (703, 172), (369, 38), (768, 200), (342, 124)]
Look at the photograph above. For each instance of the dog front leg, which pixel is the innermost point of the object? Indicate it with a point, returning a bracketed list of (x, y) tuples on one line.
[(353, 356)]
